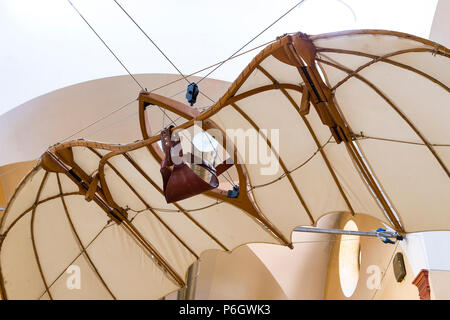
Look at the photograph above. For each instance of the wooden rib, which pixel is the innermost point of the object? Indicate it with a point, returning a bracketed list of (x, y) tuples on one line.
[(147, 205), (79, 240), (103, 194), (314, 136), (380, 32), (393, 106), (243, 201), (280, 160), (274, 86), (33, 213), (142, 172), (383, 58)]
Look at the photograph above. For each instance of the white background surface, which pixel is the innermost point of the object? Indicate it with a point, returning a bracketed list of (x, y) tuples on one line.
[(45, 45)]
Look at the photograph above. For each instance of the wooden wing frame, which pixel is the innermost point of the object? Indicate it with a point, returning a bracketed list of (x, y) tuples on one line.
[(102, 206)]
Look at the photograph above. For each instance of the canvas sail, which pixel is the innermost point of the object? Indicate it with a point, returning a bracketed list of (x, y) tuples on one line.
[(363, 120)]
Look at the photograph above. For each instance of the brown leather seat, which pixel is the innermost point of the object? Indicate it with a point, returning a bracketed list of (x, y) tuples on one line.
[(186, 175)]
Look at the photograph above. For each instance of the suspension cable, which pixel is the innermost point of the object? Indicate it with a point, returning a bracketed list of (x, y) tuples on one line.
[(254, 38), (110, 50)]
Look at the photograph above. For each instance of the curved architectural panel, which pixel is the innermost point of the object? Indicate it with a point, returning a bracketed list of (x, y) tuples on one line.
[(349, 260), (350, 122)]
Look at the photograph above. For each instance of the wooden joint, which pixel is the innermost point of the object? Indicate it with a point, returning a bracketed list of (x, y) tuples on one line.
[(302, 53), (276, 85)]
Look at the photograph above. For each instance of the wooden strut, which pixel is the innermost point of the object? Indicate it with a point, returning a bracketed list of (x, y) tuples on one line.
[(243, 201), (122, 220)]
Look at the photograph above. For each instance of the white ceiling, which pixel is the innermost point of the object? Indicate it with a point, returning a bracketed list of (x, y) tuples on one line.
[(45, 45)]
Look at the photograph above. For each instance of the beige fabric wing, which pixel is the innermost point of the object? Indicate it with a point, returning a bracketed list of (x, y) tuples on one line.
[(98, 210)]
